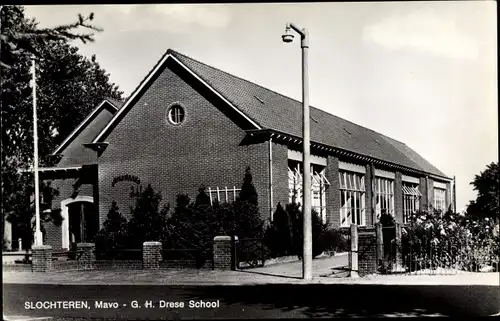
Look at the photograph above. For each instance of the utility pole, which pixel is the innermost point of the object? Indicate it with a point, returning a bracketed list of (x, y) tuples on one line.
[(306, 186), (38, 232)]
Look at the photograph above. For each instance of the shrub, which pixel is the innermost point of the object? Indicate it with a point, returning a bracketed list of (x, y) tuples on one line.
[(318, 229), (450, 240), (279, 235), (334, 240), (113, 235), (148, 222)]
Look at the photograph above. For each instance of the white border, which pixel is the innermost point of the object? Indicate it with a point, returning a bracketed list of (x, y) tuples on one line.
[(410, 179), (65, 215), (297, 156), (352, 167), (440, 185), (385, 174)]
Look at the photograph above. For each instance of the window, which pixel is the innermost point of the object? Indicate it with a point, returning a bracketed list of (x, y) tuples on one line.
[(176, 114), (319, 183), (352, 198), (384, 188), (411, 200), (439, 199)]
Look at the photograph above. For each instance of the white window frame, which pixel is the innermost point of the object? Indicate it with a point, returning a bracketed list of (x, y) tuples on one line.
[(411, 199), (319, 184), (355, 194), (384, 193), (440, 199), (176, 114)]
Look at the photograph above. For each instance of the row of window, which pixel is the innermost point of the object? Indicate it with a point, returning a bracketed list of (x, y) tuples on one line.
[(352, 196)]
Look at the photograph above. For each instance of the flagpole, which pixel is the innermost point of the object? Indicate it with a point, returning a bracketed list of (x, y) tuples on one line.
[(38, 232)]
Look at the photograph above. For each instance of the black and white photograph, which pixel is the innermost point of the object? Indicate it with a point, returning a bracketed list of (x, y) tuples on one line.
[(250, 160)]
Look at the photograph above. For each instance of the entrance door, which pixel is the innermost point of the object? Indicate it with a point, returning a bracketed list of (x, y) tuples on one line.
[(83, 222)]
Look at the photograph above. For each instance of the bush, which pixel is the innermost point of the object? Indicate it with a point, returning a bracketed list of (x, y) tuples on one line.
[(318, 229), (279, 235), (334, 240), (453, 239), (113, 235), (148, 222)]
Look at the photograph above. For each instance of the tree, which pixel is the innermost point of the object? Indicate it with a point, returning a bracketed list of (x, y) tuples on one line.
[(279, 236), (318, 229), (248, 192), (18, 37), (113, 235), (69, 86), (486, 184), (148, 222)]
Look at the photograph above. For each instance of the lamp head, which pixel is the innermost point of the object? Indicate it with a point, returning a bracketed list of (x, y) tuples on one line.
[(288, 35)]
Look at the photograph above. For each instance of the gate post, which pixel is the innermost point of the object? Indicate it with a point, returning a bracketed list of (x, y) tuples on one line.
[(399, 257), (224, 255), (380, 244), (353, 253)]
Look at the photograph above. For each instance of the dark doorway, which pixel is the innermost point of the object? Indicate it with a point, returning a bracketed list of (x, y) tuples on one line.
[(83, 222)]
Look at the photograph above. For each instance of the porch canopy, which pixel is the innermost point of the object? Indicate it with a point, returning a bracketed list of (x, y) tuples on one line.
[(86, 174)]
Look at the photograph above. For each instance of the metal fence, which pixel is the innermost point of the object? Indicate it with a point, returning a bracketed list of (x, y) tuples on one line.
[(408, 253), (250, 252)]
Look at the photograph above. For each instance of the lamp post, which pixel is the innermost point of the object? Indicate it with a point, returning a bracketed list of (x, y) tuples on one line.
[(38, 232), (306, 184)]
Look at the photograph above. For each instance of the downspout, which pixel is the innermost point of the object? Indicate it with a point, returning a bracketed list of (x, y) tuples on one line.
[(271, 178)]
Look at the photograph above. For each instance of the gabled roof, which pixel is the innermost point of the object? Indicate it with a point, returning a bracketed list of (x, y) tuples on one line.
[(267, 109), (112, 105)]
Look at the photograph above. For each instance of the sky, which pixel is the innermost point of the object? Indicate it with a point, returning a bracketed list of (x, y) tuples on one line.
[(424, 73)]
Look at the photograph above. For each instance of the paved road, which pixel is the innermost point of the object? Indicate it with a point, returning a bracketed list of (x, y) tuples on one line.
[(258, 301)]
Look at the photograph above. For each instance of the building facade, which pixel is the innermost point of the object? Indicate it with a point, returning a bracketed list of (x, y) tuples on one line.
[(189, 124)]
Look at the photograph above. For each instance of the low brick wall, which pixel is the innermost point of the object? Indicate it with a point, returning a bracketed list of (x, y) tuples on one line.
[(69, 265), (118, 264), (17, 267), (184, 264), (367, 251)]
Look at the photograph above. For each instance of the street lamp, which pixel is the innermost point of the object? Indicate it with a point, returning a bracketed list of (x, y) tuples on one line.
[(38, 232), (306, 185)]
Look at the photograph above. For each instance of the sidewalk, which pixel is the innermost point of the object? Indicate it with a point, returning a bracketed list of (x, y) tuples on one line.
[(250, 277)]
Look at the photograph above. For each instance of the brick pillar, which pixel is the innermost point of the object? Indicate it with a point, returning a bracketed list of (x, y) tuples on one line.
[(42, 258), (332, 192), (398, 197), (367, 251), (223, 252), (379, 233), (87, 258), (368, 195), (151, 255), (353, 254), (373, 200)]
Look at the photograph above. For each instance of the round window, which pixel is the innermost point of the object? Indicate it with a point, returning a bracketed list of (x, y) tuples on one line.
[(176, 114)]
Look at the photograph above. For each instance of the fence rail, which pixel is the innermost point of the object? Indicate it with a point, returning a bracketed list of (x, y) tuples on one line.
[(409, 253), (250, 252)]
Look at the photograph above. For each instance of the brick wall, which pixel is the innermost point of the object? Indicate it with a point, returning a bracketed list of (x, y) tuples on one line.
[(430, 191), (422, 187), (369, 195), (280, 175), (332, 192), (367, 251), (398, 197), (204, 149)]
